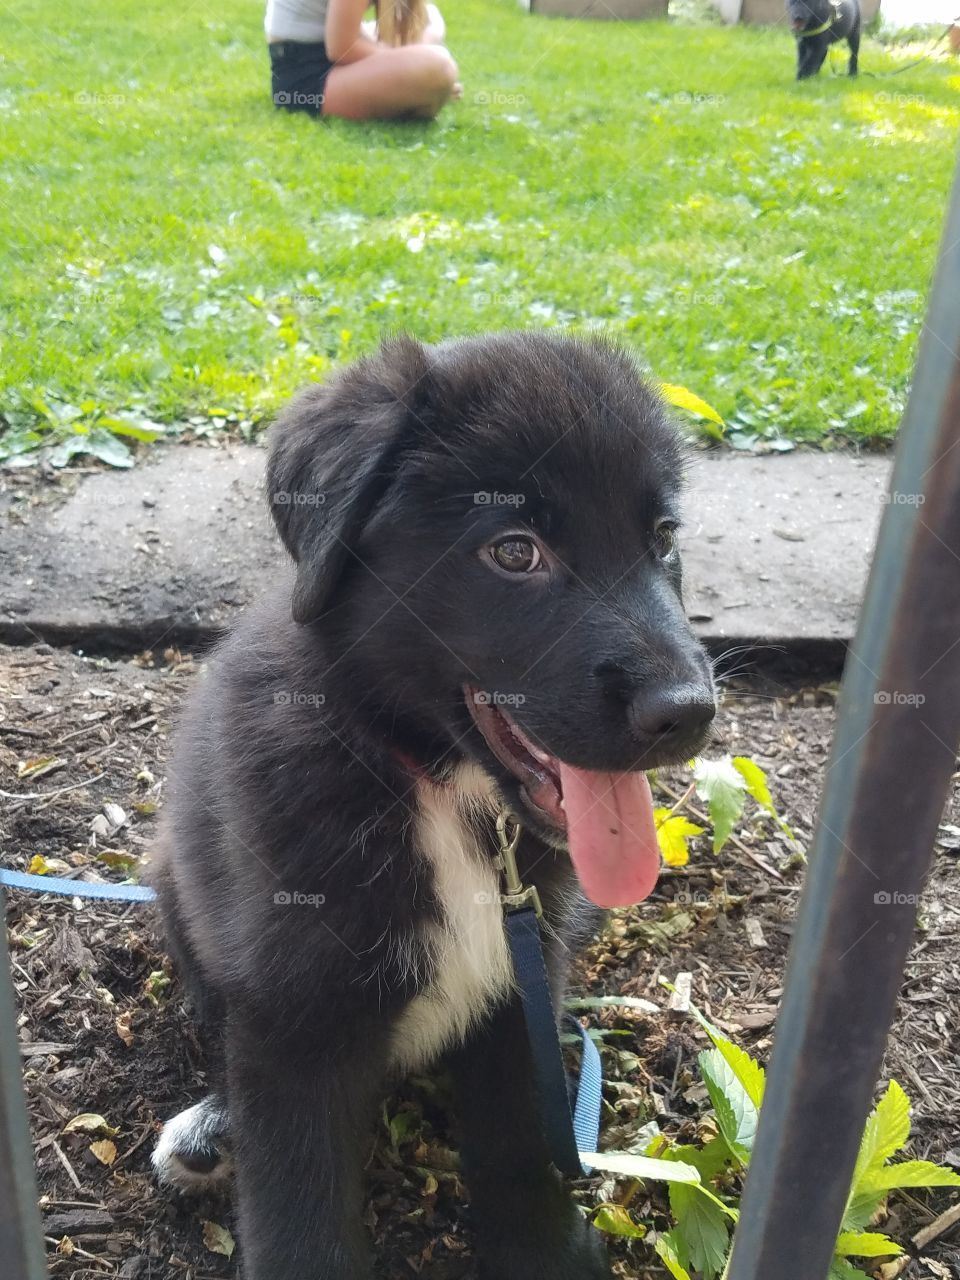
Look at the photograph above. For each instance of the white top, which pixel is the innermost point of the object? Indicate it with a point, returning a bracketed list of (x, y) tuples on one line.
[(295, 19)]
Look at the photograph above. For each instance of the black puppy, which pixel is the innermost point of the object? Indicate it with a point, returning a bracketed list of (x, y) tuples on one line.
[(817, 24), (486, 616)]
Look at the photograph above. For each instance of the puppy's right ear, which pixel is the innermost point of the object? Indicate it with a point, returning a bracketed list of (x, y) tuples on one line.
[(334, 451)]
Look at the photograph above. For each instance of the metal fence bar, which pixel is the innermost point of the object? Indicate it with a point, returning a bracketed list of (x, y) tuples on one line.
[(889, 771), (21, 1239)]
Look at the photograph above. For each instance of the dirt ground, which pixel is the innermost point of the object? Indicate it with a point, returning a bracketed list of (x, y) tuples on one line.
[(83, 750)]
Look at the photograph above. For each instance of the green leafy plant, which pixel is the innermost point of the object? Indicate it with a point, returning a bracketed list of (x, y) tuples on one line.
[(724, 787), (704, 1210)]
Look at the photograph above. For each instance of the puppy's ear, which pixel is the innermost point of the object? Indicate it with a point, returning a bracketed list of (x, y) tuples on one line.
[(334, 450)]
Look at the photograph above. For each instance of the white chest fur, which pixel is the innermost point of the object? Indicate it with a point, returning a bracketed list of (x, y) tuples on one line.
[(471, 962)]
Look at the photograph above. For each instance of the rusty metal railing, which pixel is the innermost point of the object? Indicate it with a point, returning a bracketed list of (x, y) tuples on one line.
[(21, 1241), (889, 771)]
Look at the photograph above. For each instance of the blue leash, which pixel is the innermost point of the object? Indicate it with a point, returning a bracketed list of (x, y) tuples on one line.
[(77, 888), (566, 1134)]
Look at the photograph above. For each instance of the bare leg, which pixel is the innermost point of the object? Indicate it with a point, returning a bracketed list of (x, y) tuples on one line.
[(414, 80)]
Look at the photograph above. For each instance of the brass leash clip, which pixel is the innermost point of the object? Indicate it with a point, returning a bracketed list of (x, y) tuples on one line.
[(517, 895)]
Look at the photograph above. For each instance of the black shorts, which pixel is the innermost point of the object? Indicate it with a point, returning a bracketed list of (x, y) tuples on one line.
[(299, 74)]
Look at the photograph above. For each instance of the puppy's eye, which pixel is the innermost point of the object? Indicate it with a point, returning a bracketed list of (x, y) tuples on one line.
[(665, 539), (516, 555)]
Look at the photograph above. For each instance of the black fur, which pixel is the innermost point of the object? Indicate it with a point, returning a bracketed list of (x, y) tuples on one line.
[(809, 15), (300, 760)]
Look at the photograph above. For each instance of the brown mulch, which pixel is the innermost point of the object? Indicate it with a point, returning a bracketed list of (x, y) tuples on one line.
[(103, 1028)]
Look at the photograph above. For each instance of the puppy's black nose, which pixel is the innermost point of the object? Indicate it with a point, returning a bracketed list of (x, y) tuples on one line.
[(668, 715)]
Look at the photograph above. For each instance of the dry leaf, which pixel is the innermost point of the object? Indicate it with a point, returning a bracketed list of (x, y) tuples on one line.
[(218, 1239), (124, 1029), (104, 1150), (90, 1122), (65, 1247), (41, 866), (38, 766), (118, 858)]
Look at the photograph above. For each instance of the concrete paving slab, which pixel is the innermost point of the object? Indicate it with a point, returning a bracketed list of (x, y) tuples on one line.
[(775, 550)]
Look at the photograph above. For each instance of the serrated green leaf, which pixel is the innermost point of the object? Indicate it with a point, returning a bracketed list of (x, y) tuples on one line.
[(724, 790), (673, 836), (737, 1113), (708, 1160), (860, 1210), (909, 1173), (615, 1220), (886, 1131), (756, 782), (866, 1244), (682, 398), (666, 1247), (702, 1228)]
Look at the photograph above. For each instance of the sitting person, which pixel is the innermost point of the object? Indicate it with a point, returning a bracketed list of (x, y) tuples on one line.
[(327, 61)]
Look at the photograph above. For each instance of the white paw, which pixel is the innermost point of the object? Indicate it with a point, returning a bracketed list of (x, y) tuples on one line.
[(190, 1153)]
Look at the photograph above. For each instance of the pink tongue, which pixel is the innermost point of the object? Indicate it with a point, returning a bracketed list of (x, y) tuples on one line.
[(612, 834)]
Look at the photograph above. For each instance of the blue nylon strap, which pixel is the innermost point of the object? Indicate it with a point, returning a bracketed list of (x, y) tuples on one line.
[(566, 1135), (564, 1138), (76, 888), (586, 1113)]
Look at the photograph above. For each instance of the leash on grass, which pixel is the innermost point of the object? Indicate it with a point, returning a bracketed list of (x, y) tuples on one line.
[(887, 75), (567, 1132)]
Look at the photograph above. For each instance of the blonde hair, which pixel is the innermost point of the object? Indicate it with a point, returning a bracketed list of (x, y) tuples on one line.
[(401, 21)]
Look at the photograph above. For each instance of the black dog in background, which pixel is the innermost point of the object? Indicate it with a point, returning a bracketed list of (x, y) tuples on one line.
[(486, 615), (817, 24)]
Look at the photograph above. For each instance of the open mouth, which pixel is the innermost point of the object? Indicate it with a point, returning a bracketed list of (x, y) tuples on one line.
[(607, 816), (536, 770)]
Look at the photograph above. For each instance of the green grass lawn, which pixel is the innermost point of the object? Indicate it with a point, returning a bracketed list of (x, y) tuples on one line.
[(173, 248)]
